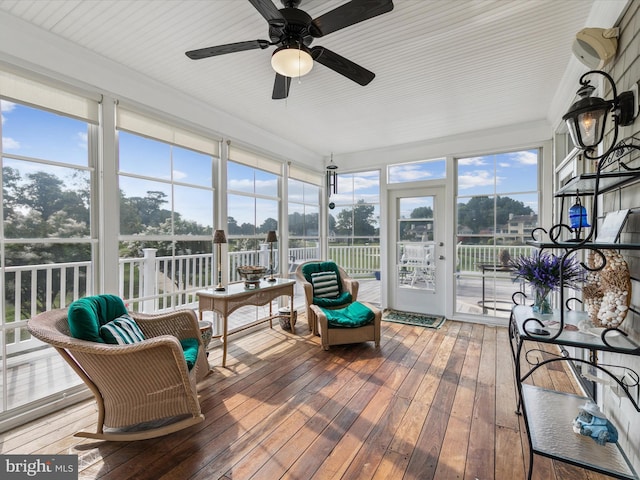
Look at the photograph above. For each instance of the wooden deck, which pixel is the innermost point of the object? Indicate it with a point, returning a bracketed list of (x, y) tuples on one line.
[(428, 404)]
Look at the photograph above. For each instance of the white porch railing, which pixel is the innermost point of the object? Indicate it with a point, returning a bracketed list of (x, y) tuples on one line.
[(470, 257), (31, 289), (155, 283), (357, 260)]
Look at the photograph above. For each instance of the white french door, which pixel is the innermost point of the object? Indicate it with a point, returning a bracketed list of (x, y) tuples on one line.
[(416, 256)]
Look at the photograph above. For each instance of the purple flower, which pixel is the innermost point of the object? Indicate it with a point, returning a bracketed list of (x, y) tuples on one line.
[(546, 271)]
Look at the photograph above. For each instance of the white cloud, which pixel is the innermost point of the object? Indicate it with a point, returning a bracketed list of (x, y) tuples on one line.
[(178, 175), (527, 158), (478, 178), (472, 161), (247, 185), (362, 183), (7, 106), (408, 173), (10, 144), (83, 139), (242, 185)]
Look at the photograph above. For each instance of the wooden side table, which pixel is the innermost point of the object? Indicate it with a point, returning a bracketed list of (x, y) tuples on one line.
[(238, 295)]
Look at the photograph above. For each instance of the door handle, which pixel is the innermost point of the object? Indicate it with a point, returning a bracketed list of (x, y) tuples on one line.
[(441, 257)]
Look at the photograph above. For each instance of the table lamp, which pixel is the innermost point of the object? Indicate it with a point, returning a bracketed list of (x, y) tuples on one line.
[(271, 238), (219, 238)]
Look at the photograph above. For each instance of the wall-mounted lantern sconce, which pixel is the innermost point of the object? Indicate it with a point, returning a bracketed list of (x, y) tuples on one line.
[(332, 178), (218, 239), (271, 239), (578, 218), (586, 118)]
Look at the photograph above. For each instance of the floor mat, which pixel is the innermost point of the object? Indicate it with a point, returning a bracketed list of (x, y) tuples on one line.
[(409, 318)]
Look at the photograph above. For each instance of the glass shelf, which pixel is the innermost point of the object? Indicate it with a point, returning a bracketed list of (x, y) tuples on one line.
[(617, 341), (585, 184), (549, 416)]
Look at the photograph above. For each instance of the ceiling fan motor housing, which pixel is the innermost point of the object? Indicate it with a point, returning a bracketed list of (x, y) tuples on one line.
[(296, 28)]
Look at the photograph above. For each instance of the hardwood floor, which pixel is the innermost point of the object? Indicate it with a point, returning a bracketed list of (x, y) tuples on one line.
[(428, 404)]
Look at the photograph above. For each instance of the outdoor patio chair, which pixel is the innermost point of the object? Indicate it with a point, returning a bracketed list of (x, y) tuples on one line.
[(417, 261), (144, 381), (332, 309)]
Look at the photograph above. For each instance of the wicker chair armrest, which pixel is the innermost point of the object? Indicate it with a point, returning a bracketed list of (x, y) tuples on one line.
[(308, 292), (352, 286)]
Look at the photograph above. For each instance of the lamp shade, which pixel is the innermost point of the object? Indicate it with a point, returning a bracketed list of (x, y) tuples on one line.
[(292, 61), (219, 237), (271, 236), (586, 119)]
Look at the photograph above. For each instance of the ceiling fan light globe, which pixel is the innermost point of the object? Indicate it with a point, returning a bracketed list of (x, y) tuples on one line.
[(291, 62)]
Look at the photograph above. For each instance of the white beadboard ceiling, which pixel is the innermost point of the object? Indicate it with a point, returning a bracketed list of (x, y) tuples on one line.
[(443, 67)]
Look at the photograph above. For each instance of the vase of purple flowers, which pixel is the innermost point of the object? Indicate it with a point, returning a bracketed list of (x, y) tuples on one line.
[(546, 273)]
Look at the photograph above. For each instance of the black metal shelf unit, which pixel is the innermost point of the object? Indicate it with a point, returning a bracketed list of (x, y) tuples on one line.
[(548, 413)]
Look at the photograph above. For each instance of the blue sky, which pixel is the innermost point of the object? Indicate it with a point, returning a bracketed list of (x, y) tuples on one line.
[(39, 134)]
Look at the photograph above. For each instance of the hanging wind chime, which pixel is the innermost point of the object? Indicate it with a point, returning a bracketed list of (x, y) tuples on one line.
[(332, 180)]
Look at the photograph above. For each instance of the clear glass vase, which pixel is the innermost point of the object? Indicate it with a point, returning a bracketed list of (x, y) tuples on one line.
[(541, 301)]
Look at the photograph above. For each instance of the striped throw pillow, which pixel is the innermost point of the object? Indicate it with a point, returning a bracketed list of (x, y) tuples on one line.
[(121, 331), (325, 284)]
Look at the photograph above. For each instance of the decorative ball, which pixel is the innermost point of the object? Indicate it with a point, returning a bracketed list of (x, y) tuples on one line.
[(206, 332)]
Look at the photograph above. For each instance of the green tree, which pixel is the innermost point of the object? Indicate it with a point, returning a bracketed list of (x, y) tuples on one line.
[(358, 221), (232, 225), (268, 224), (41, 206), (421, 212), (478, 213)]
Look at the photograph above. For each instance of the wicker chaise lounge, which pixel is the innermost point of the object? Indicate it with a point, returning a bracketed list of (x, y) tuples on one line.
[(143, 389)]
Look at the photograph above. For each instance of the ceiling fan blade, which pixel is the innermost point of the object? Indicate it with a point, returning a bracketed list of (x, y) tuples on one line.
[(348, 14), (281, 87), (345, 67), (270, 13), (228, 48)]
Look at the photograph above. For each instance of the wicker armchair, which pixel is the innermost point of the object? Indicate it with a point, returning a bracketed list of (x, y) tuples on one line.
[(143, 390), (324, 314), (348, 288)]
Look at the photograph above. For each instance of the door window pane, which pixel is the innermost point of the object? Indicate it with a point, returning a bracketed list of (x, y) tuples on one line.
[(416, 247)]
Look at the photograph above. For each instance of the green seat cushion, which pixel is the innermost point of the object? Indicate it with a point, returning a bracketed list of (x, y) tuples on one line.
[(190, 350), (121, 331), (86, 315), (355, 315), (344, 297)]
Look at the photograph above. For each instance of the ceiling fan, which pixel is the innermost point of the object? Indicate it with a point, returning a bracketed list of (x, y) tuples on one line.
[(293, 30)]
